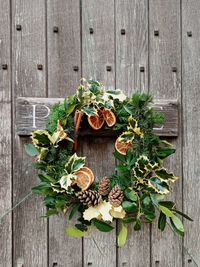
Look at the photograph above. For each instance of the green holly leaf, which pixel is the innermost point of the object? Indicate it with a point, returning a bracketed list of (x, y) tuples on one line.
[(31, 150), (121, 240)]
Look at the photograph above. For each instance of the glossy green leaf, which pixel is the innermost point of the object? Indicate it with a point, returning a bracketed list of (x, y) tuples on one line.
[(175, 228), (166, 211), (137, 225), (178, 223), (74, 232), (131, 195), (103, 226), (129, 206), (164, 152), (183, 214), (121, 240), (74, 210), (31, 150), (162, 221)]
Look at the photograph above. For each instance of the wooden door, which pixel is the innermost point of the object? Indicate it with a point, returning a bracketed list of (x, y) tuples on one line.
[(46, 46)]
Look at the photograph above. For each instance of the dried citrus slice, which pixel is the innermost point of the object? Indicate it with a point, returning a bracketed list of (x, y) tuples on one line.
[(122, 147), (97, 121), (109, 117), (84, 178)]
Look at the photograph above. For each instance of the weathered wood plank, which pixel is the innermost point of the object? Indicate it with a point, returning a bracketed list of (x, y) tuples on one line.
[(32, 114), (165, 82), (191, 126), (132, 75), (98, 54), (29, 79), (5, 137), (63, 55)]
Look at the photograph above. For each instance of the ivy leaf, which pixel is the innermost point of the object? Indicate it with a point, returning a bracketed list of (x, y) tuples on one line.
[(129, 206), (166, 211), (74, 210), (31, 150), (162, 221), (74, 232), (103, 226), (121, 240)]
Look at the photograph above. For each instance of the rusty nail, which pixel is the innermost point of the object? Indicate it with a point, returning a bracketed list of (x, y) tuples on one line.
[(123, 31), (189, 34), (55, 29), (157, 262), (156, 33), (142, 69), (39, 66), (18, 27), (75, 68), (108, 68), (91, 30), (4, 66), (174, 69), (89, 263), (55, 264), (189, 260)]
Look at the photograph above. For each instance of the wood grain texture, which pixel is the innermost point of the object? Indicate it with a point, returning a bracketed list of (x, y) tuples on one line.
[(191, 127), (5, 137), (32, 114), (63, 54), (131, 55), (131, 47), (165, 54), (63, 46), (98, 52), (30, 231)]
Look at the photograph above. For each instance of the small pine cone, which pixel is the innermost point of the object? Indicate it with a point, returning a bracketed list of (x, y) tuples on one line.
[(104, 186), (90, 198), (116, 196)]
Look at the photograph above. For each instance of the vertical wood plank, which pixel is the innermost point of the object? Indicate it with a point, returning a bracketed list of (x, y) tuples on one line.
[(165, 82), (63, 54), (5, 137), (98, 52), (30, 231), (64, 51), (131, 55), (191, 126)]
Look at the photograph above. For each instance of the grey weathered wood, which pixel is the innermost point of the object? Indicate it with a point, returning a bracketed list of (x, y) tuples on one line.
[(165, 54), (98, 51), (131, 55), (5, 137), (29, 230), (191, 127), (32, 114), (63, 54)]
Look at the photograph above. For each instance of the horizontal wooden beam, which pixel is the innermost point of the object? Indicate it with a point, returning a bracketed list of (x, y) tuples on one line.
[(32, 114)]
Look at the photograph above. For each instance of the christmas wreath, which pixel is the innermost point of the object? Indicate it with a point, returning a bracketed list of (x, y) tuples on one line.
[(138, 187)]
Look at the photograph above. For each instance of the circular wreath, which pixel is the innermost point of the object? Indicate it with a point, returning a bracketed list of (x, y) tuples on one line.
[(139, 184)]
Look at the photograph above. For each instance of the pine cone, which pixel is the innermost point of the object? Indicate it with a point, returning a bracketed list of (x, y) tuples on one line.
[(116, 196), (90, 198), (104, 186)]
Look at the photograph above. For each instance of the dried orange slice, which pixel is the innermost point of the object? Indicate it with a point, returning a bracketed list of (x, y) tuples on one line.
[(122, 147), (109, 117), (84, 178), (97, 121)]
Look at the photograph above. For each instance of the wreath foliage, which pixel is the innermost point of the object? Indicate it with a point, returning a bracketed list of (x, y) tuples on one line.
[(140, 182)]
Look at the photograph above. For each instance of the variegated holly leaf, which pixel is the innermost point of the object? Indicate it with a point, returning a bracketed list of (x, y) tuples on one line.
[(133, 126), (66, 181), (60, 134), (89, 110), (41, 138), (74, 163), (115, 94), (164, 175), (158, 186)]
